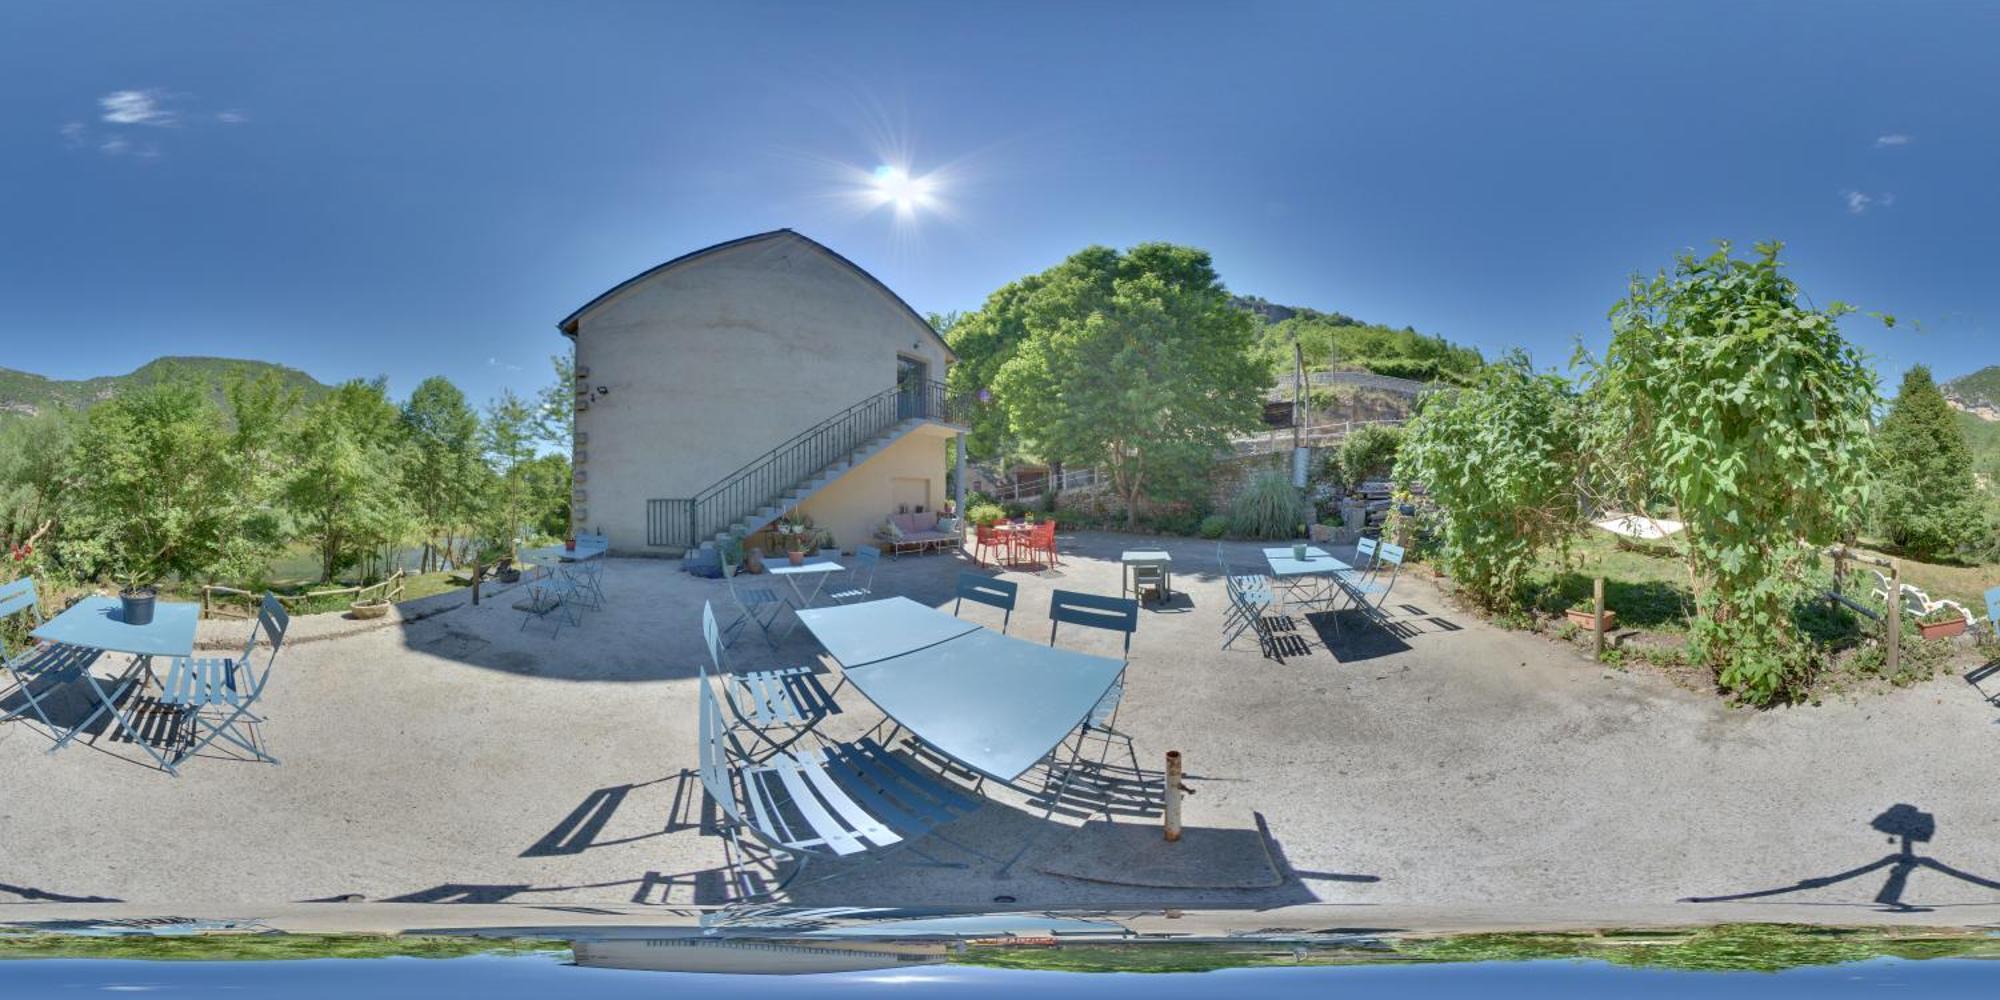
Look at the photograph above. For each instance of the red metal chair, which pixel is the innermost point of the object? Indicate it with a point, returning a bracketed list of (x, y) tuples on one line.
[(1042, 541), (986, 536)]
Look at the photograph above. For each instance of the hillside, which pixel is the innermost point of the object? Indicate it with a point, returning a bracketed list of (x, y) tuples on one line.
[(28, 393), (1337, 342), (1977, 393)]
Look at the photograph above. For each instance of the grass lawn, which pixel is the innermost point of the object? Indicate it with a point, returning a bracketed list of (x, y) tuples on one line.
[(1650, 590)]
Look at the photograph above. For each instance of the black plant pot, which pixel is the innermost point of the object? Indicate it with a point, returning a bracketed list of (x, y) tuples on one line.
[(135, 605)]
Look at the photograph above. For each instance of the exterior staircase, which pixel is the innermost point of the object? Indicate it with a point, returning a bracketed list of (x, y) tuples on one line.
[(767, 515), (758, 494)]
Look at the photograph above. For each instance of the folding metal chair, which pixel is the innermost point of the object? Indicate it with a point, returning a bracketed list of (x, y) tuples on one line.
[(835, 801), (787, 698), (1360, 589), (1118, 614), (755, 605), (860, 576), (591, 571), (1993, 610), (1246, 581), (553, 597), (228, 687), (45, 663), (980, 589)]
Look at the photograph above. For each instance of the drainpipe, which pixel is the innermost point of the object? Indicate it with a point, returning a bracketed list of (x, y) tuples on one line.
[(958, 477)]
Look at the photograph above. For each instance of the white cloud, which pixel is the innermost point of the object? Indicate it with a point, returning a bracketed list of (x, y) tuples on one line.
[(73, 134), (114, 146), (1892, 139), (1859, 202), (231, 117), (137, 107), (497, 363)]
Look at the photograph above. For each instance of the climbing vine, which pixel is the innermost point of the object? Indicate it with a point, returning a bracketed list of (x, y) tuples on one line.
[(1727, 397)]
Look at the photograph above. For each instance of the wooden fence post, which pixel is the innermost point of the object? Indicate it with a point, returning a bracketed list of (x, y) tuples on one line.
[(1172, 813), (1895, 616), (478, 572), (1597, 618)]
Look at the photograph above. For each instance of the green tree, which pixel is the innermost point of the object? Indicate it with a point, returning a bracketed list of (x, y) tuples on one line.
[(555, 405), (35, 467), (344, 488), (154, 492), (1742, 407), (507, 437), (1500, 460), (984, 341), (262, 409), (1133, 362), (443, 476), (1928, 501)]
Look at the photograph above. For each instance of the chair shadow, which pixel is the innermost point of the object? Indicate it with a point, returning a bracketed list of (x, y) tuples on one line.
[(1901, 822), (29, 894), (1978, 676), (579, 831), (1356, 638)]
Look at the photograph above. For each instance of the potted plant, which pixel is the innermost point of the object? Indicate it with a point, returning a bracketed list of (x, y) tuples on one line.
[(797, 535), (1299, 551), (1941, 622), (730, 551), (828, 548), (1582, 617), (136, 597), (569, 542)]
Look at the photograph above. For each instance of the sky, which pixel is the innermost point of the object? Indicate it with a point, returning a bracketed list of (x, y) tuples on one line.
[(409, 189)]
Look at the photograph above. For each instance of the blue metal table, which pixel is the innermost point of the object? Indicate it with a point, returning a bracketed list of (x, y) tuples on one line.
[(556, 553), (1319, 567), (858, 634), (995, 704), (97, 623), (1132, 559)]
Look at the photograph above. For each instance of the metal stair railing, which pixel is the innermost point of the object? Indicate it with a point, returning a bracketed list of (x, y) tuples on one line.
[(763, 481)]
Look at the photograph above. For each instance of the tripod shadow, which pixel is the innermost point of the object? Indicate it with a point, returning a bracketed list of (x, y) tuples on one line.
[(1901, 821)]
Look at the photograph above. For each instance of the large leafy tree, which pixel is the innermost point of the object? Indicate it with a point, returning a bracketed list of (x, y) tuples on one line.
[(507, 439), (344, 491), (1500, 460), (153, 491), (555, 404), (442, 472), (1929, 502), (1134, 362), (262, 411), (984, 341), (1727, 397)]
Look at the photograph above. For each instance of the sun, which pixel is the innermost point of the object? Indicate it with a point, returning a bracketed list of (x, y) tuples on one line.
[(894, 186)]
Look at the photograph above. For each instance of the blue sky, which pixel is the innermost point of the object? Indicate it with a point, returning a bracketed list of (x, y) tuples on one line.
[(418, 188)]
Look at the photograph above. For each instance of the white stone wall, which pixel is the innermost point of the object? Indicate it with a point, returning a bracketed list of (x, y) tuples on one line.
[(704, 367)]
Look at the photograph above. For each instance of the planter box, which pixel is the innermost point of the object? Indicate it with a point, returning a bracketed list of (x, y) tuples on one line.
[(1941, 630), (1583, 619), (375, 609)]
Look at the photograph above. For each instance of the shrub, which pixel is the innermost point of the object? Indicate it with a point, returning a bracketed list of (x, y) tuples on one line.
[(1214, 526), (1369, 453), (1732, 398), (986, 513), (1270, 507), (1499, 459)]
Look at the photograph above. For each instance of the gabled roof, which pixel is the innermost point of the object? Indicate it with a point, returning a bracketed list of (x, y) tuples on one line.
[(568, 324)]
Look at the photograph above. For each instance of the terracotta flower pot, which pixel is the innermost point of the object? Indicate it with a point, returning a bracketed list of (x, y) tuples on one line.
[(1940, 630), (796, 558), (1582, 619)]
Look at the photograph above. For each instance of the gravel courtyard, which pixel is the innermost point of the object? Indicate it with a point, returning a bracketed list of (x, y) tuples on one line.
[(461, 759)]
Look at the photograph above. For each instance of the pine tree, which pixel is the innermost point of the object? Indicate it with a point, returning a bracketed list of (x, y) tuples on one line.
[(1928, 501)]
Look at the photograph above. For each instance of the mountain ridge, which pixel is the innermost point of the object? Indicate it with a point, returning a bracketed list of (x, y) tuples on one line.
[(25, 393)]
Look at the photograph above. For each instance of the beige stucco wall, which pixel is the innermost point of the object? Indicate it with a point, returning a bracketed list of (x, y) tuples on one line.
[(712, 362), (854, 505)]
